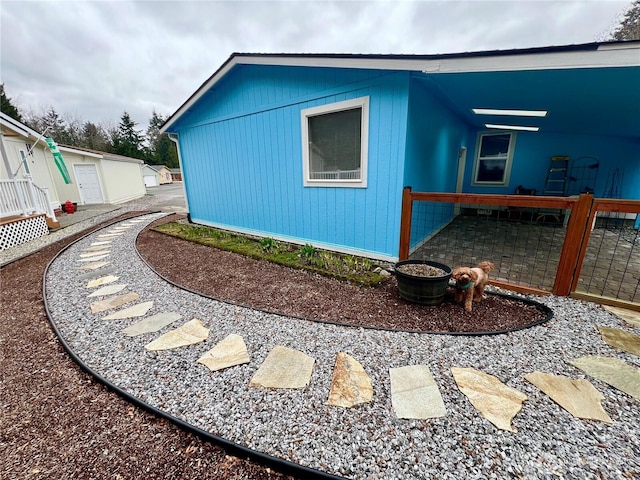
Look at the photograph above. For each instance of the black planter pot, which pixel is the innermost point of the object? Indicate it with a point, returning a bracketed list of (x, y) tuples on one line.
[(423, 290)]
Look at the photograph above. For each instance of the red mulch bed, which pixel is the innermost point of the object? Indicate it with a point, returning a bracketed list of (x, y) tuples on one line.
[(262, 285)]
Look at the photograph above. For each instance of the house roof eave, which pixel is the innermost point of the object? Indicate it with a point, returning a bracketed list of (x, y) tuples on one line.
[(17, 126), (79, 151), (99, 154), (589, 55), (121, 158)]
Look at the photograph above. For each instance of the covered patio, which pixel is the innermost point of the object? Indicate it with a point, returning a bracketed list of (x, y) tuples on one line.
[(578, 103)]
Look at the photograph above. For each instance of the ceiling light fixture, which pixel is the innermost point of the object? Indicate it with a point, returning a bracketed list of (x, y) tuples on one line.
[(513, 113), (512, 127)]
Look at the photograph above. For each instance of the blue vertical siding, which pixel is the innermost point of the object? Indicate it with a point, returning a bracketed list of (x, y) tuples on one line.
[(434, 138), (534, 151), (250, 88), (242, 151)]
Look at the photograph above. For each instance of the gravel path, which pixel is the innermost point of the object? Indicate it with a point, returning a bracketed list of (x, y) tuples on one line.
[(56, 422), (367, 441)]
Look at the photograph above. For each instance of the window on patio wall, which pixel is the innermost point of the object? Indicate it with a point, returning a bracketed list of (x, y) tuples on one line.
[(494, 155), (335, 139)]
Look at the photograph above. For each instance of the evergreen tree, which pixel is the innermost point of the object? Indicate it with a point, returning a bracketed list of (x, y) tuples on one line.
[(166, 152), (127, 140), (161, 150), (94, 136), (629, 28), (153, 132), (7, 107), (55, 127)]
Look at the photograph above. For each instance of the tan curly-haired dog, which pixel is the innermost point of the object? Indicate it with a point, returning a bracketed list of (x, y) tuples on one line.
[(470, 282)]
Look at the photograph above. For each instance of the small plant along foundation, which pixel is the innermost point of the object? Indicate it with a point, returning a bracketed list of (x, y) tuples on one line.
[(354, 269)]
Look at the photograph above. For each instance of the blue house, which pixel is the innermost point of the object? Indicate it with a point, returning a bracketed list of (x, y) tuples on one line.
[(317, 148)]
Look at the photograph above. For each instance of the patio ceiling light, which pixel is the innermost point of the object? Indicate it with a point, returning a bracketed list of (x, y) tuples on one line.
[(512, 127), (514, 113)]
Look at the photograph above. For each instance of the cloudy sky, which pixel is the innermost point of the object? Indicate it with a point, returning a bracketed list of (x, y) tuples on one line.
[(95, 59)]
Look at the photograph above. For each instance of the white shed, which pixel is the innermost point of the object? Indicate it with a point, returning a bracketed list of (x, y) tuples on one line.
[(100, 177), (32, 187), (155, 175)]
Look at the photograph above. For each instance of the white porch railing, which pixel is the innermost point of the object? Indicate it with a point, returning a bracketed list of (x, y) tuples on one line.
[(23, 197)]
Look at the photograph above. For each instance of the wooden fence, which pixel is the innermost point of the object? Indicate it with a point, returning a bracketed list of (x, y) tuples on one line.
[(582, 214)]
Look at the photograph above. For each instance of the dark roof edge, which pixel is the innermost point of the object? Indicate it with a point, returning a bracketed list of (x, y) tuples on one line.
[(436, 56), (592, 46)]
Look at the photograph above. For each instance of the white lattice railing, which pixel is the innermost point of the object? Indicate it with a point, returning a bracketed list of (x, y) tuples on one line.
[(23, 197)]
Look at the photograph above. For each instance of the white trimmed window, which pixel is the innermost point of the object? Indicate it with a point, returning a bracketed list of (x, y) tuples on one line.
[(24, 159), (494, 155), (334, 144)]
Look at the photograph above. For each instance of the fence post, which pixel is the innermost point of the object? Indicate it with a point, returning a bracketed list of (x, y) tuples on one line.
[(405, 223), (578, 225)]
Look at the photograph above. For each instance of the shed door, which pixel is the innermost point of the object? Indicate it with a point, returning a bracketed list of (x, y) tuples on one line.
[(150, 181), (88, 184)]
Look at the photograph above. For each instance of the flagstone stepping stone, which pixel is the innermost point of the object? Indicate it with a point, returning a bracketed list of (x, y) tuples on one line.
[(93, 266), (97, 273), (105, 242), (108, 290), (95, 254), (630, 316), (284, 368), (495, 401), (152, 324), (108, 235), (190, 333), (350, 384), (114, 302), (98, 282), (96, 248), (414, 393), (620, 339), (130, 312), (578, 397), (229, 352), (613, 371), (93, 259)]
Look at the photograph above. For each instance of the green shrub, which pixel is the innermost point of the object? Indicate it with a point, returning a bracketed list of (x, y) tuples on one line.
[(307, 252), (268, 244)]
